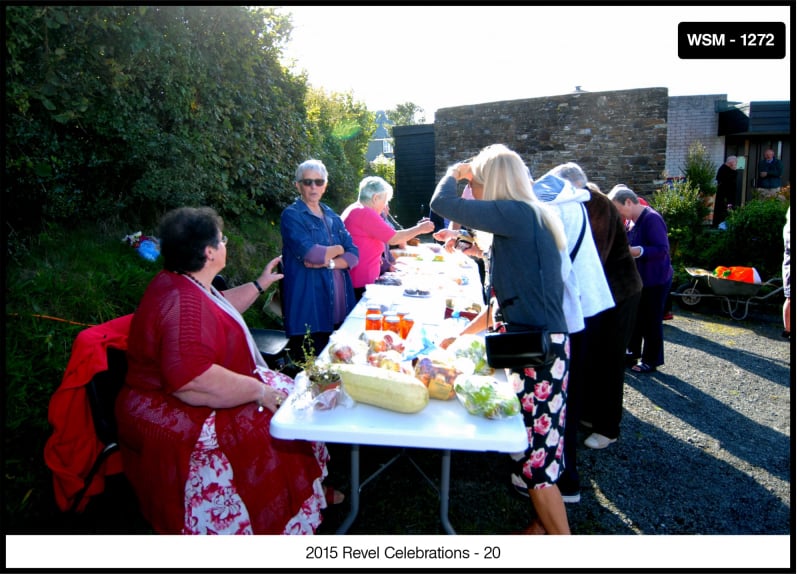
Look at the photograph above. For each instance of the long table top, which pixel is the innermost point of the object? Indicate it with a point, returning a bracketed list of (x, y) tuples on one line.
[(441, 424)]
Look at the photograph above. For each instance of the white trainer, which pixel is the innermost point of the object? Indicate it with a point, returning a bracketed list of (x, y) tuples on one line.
[(598, 441)]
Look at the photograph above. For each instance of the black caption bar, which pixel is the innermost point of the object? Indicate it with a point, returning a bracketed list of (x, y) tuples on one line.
[(731, 40)]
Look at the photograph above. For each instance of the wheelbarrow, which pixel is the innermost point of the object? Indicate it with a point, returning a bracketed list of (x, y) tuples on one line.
[(734, 296)]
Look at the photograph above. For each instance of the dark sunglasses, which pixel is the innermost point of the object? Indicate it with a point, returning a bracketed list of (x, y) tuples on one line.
[(317, 182)]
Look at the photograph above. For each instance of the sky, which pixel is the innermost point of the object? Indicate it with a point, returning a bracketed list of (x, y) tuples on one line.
[(440, 57)]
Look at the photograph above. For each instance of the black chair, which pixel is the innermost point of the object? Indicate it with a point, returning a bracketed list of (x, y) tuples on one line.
[(272, 345), (101, 392), (220, 282)]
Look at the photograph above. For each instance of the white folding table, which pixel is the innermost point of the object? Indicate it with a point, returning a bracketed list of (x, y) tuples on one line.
[(443, 425)]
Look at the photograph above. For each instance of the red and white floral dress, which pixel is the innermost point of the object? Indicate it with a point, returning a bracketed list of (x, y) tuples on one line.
[(203, 470)]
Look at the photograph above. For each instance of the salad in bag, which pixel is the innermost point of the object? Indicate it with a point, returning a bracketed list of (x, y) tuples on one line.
[(486, 396), (473, 348)]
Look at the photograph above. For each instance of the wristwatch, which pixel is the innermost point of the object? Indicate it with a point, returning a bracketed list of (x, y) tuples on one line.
[(331, 264)]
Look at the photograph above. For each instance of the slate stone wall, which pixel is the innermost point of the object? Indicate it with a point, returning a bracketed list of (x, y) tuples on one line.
[(616, 137)]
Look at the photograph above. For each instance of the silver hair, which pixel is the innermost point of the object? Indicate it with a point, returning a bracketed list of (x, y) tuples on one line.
[(572, 172), (373, 185), (621, 192), (311, 165)]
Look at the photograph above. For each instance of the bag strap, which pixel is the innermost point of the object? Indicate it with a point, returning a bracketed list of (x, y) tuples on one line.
[(574, 251)]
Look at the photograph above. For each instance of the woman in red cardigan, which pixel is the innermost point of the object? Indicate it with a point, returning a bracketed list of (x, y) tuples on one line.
[(195, 410)]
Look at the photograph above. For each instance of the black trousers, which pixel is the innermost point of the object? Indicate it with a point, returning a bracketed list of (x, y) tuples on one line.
[(569, 480), (647, 339), (607, 336)]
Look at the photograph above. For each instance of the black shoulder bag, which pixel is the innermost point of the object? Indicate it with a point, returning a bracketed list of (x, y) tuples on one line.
[(530, 348)]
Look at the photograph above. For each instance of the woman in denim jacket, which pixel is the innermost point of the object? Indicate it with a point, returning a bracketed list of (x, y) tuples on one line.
[(318, 253)]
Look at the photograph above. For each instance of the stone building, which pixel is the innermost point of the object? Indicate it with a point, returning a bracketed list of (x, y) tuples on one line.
[(637, 137)]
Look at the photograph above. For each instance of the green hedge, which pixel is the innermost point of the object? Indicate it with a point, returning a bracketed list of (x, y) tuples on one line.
[(753, 236)]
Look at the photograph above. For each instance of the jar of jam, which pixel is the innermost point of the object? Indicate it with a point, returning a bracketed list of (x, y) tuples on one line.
[(374, 322), (392, 323), (406, 323)]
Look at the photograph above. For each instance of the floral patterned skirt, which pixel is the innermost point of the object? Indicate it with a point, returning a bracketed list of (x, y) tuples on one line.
[(212, 505), (543, 398)]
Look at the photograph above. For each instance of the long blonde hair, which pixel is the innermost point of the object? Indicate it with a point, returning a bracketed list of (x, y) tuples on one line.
[(506, 177)]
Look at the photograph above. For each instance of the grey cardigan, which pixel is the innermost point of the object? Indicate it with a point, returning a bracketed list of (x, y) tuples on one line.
[(526, 264)]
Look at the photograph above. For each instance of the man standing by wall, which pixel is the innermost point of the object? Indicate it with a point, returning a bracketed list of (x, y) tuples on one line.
[(770, 170)]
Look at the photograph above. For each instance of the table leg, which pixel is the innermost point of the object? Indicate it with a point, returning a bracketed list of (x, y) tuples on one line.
[(444, 493), (355, 488)]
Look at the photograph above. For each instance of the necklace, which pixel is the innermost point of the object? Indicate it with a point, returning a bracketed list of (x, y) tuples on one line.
[(193, 278)]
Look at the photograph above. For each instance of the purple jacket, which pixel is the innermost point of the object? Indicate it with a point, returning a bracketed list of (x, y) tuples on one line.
[(650, 232)]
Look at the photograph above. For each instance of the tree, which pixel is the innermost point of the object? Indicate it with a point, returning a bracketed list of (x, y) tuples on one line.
[(384, 167), (406, 114), (340, 130), (683, 209), (700, 170), (126, 109)]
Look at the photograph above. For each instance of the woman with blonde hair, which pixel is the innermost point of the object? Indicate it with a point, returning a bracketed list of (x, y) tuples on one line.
[(527, 282)]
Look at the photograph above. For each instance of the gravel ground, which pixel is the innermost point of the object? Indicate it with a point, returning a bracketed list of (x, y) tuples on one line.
[(705, 448)]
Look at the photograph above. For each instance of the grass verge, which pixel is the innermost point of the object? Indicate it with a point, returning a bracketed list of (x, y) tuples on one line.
[(60, 283)]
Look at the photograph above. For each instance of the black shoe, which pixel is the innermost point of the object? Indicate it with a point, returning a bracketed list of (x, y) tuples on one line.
[(787, 335), (630, 360)]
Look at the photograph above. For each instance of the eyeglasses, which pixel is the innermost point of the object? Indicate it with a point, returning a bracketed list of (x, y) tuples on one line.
[(224, 240), (317, 182)]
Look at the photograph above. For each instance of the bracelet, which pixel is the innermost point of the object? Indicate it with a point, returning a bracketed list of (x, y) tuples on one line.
[(260, 401), (259, 287)]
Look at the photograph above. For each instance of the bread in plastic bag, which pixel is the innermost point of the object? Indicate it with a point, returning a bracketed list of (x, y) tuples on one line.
[(439, 370)]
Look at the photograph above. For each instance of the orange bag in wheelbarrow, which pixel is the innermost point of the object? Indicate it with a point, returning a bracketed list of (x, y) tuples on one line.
[(743, 274)]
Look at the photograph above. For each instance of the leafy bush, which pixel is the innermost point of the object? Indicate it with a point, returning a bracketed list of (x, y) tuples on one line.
[(683, 210), (712, 249), (384, 167), (754, 237), (700, 170)]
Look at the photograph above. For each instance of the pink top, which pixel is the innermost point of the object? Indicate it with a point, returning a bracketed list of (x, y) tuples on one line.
[(370, 234)]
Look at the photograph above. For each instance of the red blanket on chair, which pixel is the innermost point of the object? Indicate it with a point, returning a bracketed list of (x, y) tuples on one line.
[(73, 447)]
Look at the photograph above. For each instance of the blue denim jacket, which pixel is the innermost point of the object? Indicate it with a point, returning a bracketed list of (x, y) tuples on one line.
[(308, 293)]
